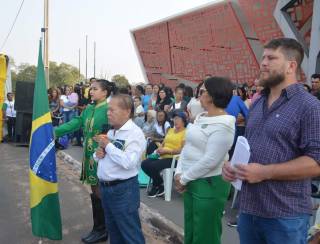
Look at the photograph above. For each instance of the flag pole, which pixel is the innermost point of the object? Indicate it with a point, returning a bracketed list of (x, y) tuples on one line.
[(86, 58), (46, 41)]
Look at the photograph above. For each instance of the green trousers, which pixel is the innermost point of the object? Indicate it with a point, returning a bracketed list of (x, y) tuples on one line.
[(203, 209)]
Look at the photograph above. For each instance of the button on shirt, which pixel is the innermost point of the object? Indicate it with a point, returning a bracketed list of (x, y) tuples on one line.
[(290, 128), (123, 153)]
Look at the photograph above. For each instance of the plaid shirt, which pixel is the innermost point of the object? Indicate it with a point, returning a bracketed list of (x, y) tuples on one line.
[(290, 128)]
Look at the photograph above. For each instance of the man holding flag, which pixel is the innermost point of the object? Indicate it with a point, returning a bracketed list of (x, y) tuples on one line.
[(44, 198)]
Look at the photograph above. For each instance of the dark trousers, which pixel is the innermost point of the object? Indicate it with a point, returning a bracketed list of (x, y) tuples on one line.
[(153, 167), (11, 125), (151, 147), (121, 203)]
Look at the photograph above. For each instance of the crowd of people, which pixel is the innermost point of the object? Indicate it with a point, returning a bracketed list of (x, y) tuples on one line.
[(121, 129)]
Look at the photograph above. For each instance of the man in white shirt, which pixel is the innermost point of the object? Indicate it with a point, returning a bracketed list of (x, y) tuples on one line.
[(179, 103), (9, 114), (119, 158)]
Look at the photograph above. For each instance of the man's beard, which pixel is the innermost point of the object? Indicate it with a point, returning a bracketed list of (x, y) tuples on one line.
[(273, 80)]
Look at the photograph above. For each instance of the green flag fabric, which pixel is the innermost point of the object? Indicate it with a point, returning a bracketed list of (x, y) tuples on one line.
[(44, 198)]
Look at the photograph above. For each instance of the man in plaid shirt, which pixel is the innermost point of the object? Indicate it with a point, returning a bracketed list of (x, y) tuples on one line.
[(283, 131)]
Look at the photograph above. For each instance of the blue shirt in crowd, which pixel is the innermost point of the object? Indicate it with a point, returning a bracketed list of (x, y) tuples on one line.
[(145, 102), (236, 106)]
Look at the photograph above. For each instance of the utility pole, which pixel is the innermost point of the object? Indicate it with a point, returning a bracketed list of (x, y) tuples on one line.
[(86, 58), (79, 75), (46, 40), (94, 59)]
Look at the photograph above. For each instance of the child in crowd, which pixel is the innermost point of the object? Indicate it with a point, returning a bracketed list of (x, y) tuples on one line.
[(138, 112)]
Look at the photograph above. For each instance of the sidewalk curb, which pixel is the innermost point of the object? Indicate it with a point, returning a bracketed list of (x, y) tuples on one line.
[(160, 224)]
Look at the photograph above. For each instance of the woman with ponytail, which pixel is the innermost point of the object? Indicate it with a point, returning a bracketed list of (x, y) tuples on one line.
[(93, 121)]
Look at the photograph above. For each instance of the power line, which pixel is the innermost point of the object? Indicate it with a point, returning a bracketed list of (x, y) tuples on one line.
[(14, 22)]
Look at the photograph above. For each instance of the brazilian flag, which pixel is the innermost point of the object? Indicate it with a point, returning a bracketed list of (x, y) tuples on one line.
[(44, 198)]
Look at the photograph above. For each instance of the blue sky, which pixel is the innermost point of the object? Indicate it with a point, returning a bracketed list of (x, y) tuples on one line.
[(108, 22)]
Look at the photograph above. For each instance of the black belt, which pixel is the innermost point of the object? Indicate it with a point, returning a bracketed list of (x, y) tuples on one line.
[(114, 182)]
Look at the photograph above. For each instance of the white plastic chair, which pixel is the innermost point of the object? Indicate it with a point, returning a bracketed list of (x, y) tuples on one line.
[(167, 175)]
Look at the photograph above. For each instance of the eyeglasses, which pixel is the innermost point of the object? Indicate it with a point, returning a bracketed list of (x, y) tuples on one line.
[(202, 90)]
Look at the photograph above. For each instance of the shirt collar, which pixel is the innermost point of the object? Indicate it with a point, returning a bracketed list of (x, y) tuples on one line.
[(127, 126), (289, 91)]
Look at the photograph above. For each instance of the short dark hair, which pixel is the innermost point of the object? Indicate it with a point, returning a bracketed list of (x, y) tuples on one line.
[(188, 91), (125, 101), (220, 89), (137, 97), (166, 118), (178, 88), (315, 76), (291, 49), (181, 85), (198, 89), (140, 88)]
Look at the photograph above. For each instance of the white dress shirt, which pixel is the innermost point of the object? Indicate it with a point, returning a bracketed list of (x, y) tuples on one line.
[(123, 153)]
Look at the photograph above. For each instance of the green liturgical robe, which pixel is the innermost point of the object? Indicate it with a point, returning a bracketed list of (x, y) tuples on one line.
[(92, 121)]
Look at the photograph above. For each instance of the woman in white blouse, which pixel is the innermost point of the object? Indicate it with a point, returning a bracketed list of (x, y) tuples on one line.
[(199, 169)]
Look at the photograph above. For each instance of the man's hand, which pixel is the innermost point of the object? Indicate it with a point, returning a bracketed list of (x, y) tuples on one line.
[(100, 153), (179, 187), (102, 139), (228, 172), (252, 173)]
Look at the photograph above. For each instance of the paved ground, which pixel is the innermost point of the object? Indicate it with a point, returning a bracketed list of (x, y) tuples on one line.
[(15, 224), (171, 210), (15, 227)]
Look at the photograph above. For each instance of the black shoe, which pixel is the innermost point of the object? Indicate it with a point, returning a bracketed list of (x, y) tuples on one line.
[(96, 236), (88, 235), (98, 232), (160, 191), (153, 192), (232, 223)]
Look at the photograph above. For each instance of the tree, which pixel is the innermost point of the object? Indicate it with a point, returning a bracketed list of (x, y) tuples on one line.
[(120, 80), (25, 72), (63, 74)]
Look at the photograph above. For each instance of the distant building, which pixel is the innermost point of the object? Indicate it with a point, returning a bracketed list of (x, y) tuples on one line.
[(226, 38)]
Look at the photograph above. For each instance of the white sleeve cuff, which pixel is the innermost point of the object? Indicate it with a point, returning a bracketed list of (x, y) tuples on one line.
[(95, 157), (183, 180), (109, 147)]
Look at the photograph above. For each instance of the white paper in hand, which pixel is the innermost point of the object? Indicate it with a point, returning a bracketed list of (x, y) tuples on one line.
[(241, 155)]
